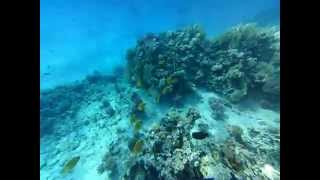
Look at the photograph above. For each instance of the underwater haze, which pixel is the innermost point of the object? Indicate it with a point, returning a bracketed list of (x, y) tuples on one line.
[(159, 89), (78, 37)]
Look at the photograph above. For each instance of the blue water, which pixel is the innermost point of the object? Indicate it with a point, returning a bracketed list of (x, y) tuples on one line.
[(78, 37)]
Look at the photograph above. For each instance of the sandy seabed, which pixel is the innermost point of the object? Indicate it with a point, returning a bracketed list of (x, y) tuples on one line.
[(90, 132)]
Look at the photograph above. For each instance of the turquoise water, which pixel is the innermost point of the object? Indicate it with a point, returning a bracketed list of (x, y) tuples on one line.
[(97, 33), (159, 89)]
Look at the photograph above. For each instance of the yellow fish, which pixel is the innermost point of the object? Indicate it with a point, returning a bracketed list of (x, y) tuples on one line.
[(69, 166)]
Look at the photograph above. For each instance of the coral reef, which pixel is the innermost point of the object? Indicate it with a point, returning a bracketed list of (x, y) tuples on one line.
[(234, 64), (184, 143), (246, 57), (169, 147), (162, 60), (181, 148), (167, 151)]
